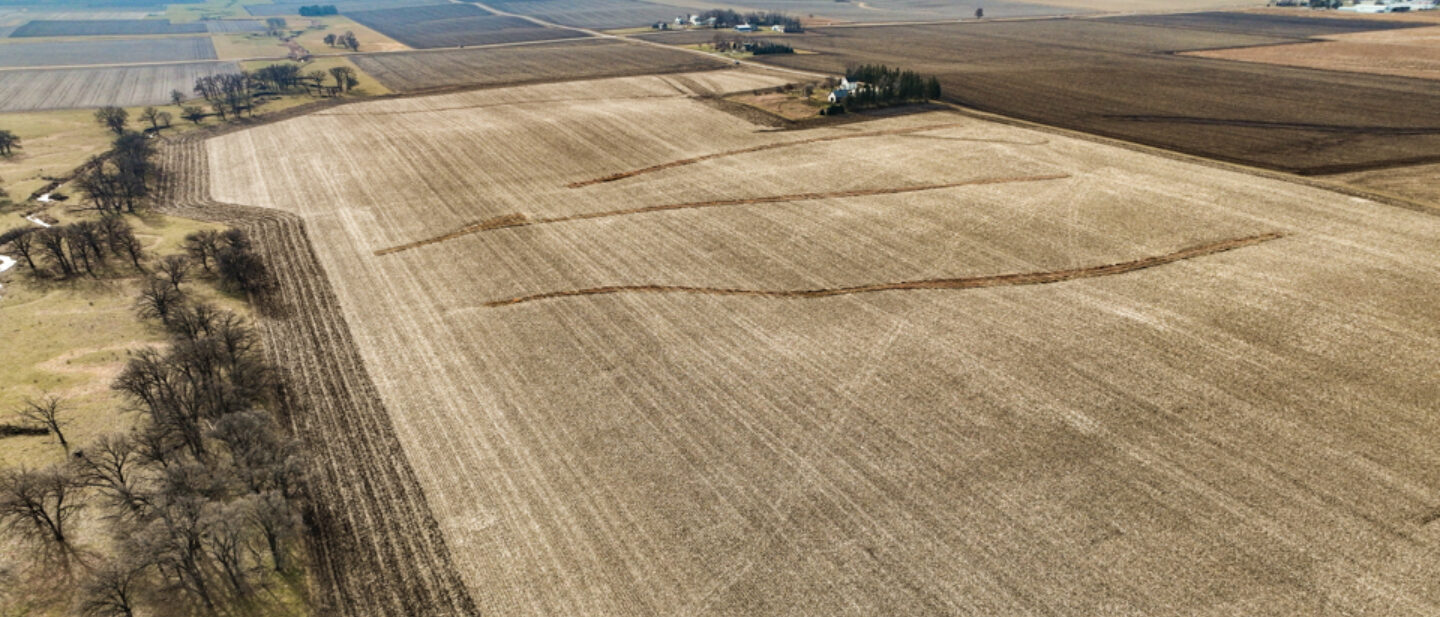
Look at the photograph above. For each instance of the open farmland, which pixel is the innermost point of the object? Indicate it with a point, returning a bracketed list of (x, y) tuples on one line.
[(1411, 52), (644, 358), (233, 26), (571, 60), (1249, 113), (344, 6), (117, 51), (1264, 24), (29, 90), (594, 14), (105, 27), (453, 25)]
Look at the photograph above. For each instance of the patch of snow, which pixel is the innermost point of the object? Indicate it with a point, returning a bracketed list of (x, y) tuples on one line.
[(37, 221), (6, 263), (44, 199)]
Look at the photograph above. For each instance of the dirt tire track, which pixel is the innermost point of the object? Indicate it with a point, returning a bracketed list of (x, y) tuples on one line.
[(520, 220), (375, 548), (974, 282), (761, 148)]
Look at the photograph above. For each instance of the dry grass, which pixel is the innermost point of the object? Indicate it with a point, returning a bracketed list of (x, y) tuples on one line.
[(1252, 431)]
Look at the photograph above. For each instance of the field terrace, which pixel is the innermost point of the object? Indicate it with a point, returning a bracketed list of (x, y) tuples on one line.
[(1151, 387)]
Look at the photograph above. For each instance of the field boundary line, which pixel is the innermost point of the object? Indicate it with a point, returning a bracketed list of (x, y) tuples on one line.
[(761, 148), (1018, 279), (508, 221)]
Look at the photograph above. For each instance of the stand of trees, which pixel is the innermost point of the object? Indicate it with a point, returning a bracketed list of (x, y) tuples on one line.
[(275, 26), (119, 181), (347, 40), (726, 18), (84, 247), (229, 94), (203, 497), (732, 42), (884, 87), (318, 10)]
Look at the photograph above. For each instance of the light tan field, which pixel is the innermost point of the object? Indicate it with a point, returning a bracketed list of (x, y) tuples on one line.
[(1407, 52), (791, 373)]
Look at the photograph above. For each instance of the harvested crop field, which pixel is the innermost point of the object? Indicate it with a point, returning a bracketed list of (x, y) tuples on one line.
[(1412, 52), (596, 14), (120, 51), (105, 27), (232, 26), (564, 61), (1263, 24), (453, 25), (1243, 112), (344, 6), (967, 367), (30, 90)]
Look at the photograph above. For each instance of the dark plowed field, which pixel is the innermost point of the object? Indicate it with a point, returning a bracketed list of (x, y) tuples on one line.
[(1119, 80), (453, 25), (105, 27), (585, 59), (1268, 25)]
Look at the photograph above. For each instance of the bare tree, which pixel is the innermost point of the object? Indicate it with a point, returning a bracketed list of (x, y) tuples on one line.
[(158, 299), (151, 115), (9, 142), (114, 118), (52, 247), (39, 503), (193, 113), (121, 238), (177, 97), (111, 464), (201, 247), (225, 534), (278, 522), (111, 589), (24, 245), (174, 269), (165, 118), (45, 412)]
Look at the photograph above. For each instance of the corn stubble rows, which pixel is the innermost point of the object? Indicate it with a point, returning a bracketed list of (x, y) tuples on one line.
[(1241, 432)]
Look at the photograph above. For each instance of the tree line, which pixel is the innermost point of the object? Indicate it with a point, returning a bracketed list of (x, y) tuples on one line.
[(727, 18), (732, 42), (318, 10), (203, 498), (882, 86), (346, 40)]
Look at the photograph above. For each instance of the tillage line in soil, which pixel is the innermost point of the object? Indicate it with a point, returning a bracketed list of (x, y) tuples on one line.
[(976, 282), (519, 220), (814, 140)]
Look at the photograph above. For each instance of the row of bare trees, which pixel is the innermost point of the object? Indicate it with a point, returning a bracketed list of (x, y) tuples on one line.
[(83, 247), (202, 498)]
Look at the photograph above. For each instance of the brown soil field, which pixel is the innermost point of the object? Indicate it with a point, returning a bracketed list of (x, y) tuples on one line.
[(498, 66), (1117, 80), (1413, 52), (453, 25), (1415, 183), (1150, 425)]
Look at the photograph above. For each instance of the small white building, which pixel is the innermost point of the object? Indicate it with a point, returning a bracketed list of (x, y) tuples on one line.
[(777, 28), (744, 28)]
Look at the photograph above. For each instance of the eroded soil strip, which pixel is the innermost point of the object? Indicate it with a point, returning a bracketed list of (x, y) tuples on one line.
[(520, 220), (814, 140), (1001, 280)]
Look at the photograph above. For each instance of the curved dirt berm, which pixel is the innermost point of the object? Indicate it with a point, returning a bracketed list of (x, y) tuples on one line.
[(375, 548)]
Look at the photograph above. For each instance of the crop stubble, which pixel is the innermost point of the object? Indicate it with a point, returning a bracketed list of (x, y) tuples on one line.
[(1253, 428), (126, 86), (374, 547), (1068, 73)]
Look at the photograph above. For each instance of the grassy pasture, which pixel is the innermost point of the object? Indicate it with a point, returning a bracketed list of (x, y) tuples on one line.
[(105, 27), (116, 51), (126, 86), (1141, 443), (570, 60), (1244, 112), (453, 25)]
